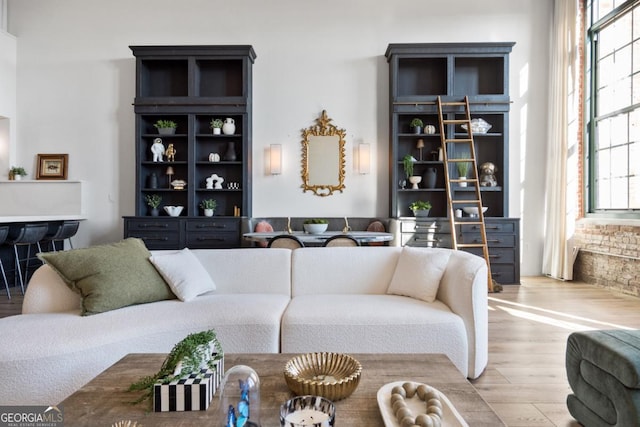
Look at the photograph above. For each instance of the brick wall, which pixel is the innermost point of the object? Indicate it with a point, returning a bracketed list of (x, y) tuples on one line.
[(609, 255)]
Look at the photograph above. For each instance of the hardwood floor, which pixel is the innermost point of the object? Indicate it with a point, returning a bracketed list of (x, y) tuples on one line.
[(525, 381)]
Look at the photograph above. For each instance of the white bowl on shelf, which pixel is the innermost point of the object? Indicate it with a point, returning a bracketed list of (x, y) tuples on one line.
[(173, 210), (473, 210), (315, 228)]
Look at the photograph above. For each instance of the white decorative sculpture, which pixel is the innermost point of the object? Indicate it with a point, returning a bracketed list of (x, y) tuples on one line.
[(215, 182), (157, 149)]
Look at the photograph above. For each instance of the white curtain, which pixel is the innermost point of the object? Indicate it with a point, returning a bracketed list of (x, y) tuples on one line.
[(561, 183)]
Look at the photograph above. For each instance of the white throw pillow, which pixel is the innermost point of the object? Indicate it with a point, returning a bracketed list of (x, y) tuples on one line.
[(184, 274), (418, 273)]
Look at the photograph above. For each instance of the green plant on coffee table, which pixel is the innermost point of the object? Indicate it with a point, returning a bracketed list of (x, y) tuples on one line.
[(208, 204), (165, 124), (191, 352), (407, 163), (420, 205), (316, 221), (216, 123), (153, 200)]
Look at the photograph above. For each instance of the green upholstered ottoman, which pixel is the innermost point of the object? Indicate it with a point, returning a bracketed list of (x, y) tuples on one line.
[(603, 368)]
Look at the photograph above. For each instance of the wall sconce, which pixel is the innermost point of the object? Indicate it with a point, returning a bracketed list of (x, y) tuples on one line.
[(364, 158), (275, 159)]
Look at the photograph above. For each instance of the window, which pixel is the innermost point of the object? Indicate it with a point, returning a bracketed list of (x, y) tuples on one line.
[(613, 106)]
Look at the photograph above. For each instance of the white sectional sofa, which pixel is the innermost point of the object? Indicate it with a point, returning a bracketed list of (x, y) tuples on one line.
[(266, 301)]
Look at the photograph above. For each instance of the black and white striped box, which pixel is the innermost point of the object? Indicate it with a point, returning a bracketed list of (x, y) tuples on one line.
[(193, 392)]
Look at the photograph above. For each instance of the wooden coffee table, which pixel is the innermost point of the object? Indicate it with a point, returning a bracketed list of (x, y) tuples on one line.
[(105, 400)]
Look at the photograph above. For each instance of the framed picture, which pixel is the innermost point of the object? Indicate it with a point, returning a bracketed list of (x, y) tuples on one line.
[(52, 166)]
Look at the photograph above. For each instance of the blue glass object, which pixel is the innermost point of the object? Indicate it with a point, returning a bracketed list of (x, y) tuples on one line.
[(231, 417), (241, 398)]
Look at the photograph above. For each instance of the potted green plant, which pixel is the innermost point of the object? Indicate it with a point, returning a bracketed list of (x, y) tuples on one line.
[(420, 207), (463, 169), (216, 125), (166, 127), (17, 172), (153, 201), (407, 163), (315, 225), (417, 125), (209, 206)]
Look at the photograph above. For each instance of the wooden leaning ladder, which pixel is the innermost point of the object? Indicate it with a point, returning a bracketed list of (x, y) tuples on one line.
[(453, 202)]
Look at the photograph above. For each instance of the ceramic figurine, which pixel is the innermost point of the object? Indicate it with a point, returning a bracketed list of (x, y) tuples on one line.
[(157, 149), (171, 153)]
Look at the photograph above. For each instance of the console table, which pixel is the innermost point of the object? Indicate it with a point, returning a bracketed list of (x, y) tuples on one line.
[(105, 400), (318, 239)]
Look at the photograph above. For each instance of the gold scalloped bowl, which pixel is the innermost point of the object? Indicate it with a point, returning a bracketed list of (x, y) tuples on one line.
[(333, 376)]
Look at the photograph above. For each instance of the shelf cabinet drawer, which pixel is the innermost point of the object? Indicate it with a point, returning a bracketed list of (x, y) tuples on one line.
[(205, 240), (505, 273), (155, 240), (217, 225), (491, 227), (496, 255), (163, 225), (426, 240), (493, 240), (213, 233), (432, 225)]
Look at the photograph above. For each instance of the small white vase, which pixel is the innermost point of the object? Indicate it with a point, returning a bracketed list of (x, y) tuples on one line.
[(463, 183), (208, 212), (216, 131), (229, 126), (415, 180)]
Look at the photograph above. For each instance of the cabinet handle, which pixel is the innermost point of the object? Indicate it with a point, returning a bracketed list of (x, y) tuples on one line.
[(155, 239), (214, 225), (153, 225), (488, 241), (428, 227), (205, 239), (492, 227), (427, 240), (495, 256)]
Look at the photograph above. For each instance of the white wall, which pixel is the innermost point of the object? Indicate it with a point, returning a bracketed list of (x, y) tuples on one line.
[(76, 85), (8, 58)]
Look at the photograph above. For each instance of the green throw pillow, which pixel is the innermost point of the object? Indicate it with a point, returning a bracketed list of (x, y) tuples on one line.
[(110, 276)]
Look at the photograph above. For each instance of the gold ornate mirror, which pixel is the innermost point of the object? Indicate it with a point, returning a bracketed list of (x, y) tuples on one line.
[(323, 157)]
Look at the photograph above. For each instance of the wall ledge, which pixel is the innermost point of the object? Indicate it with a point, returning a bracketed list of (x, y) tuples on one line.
[(609, 221)]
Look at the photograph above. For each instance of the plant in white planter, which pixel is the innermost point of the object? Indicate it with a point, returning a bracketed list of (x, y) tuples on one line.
[(17, 172), (216, 125), (407, 162), (463, 169), (417, 125), (420, 207), (209, 206), (166, 127)]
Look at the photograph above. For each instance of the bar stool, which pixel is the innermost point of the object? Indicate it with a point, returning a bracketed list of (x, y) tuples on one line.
[(59, 232), (4, 232), (25, 235)]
